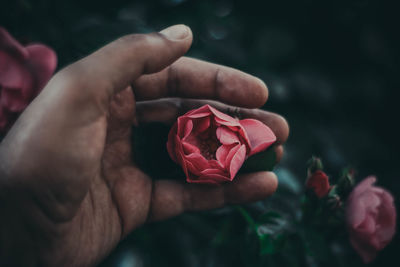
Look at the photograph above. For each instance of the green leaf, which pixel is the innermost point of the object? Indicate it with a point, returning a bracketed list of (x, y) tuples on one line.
[(263, 161), (274, 227), (316, 244), (247, 217), (270, 244), (223, 234), (269, 217)]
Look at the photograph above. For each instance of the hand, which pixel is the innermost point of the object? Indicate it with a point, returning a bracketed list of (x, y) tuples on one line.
[(69, 190)]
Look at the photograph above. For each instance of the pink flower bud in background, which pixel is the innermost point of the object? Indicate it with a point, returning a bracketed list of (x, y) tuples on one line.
[(24, 71), (371, 218), (212, 146)]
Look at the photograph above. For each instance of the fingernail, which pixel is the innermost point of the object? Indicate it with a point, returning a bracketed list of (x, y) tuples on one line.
[(176, 32), (262, 83)]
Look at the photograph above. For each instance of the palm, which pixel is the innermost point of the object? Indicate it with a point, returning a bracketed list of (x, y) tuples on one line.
[(104, 216)]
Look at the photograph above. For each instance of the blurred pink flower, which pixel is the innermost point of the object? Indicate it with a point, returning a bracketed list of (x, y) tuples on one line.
[(24, 71), (371, 218), (212, 146)]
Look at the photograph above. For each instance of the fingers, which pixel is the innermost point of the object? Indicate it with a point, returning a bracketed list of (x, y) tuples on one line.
[(191, 78), (116, 65), (171, 198), (167, 111)]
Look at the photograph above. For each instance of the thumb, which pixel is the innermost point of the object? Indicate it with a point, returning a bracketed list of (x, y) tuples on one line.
[(116, 65)]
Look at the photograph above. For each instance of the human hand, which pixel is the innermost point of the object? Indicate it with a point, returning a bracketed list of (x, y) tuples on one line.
[(69, 187)]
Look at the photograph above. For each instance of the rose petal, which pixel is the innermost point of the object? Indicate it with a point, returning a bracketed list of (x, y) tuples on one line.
[(198, 113), (354, 214), (371, 201), (222, 153), (11, 46), (180, 157), (189, 148), (185, 127), (386, 219), (214, 171), (220, 121), (215, 164), (14, 75), (201, 124), (259, 134), (13, 100), (223, 117), (43, 62), (181, 122), (178, 149), (230, 155), (171, 142), (237, 161), (368, 225), (363, 185), (197, 160), (226, 136), (193, 169), (215, 175)]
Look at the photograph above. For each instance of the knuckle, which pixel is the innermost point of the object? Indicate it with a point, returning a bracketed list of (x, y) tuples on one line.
[(235, 112), (178, 105), (133, 39), (218, 82), (174, 108)]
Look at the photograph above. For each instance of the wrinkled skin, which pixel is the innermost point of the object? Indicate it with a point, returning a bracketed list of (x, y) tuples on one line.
[(69, 190)]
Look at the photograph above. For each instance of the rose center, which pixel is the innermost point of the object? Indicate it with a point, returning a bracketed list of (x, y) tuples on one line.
[(208, 147)]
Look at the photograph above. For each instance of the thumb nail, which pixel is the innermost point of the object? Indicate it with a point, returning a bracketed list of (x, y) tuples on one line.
[(176, 32)]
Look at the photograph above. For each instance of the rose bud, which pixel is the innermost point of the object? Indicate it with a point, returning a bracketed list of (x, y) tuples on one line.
[(314, 164), (371, 218), (318, 182), (24, 71), (212, 146), (346, 183)]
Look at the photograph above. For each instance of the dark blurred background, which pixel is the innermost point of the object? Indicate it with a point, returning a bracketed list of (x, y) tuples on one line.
[(332, 68)]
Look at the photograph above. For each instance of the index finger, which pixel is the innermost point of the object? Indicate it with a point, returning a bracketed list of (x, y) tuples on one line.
[(192, 78)]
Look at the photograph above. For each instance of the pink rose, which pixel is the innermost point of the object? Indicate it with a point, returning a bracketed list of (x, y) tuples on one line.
[(371, 218), (319, 183), (24, 71), (212, 146)]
